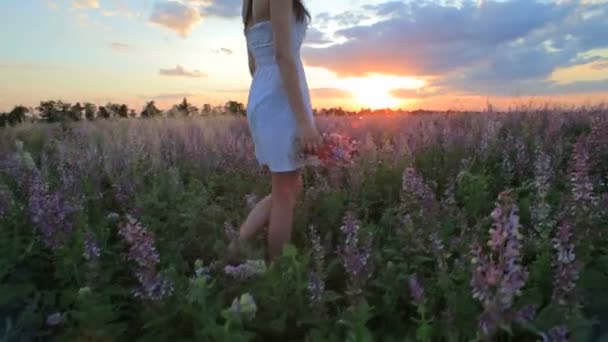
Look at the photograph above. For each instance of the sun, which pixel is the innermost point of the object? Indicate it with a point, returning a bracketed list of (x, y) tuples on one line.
[(374, 91)]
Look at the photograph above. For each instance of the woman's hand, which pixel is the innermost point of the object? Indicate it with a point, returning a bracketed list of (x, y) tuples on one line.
[(309, 137)]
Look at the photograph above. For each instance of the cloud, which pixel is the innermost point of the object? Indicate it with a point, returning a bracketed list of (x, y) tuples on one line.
[(315, 36), (121, 46), (176, 16), (181, 72), (223, 51), (217, 8), (329, 93), (84, 4), (406, 94), (222, 8), (350, 18), (496, 46), (600, 66), (420, 93)]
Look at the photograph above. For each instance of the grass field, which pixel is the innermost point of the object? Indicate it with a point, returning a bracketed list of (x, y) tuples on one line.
[(447, 227)]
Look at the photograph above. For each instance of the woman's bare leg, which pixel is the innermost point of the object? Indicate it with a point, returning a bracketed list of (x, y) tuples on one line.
[(286, 187), (257, 218)]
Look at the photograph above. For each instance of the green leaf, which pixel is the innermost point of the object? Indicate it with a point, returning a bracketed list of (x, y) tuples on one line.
[(549, 317)]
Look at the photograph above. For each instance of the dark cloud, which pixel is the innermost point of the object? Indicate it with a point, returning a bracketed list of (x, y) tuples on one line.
[(181, 72), (498, 46)]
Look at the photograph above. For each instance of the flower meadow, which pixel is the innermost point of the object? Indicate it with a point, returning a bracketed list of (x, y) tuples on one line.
[(435, 227)]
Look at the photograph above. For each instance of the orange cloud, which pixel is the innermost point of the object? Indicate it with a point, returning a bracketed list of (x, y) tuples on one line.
[(329, 93), (600, 66)]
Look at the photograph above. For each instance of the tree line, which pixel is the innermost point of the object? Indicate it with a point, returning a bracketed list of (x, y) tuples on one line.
[(60, 111)]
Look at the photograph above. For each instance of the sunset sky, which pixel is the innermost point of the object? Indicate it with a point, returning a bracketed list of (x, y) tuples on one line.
[(435, 54)]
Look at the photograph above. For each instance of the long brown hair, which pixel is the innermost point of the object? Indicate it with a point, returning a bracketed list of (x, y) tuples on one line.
[(299, 10)]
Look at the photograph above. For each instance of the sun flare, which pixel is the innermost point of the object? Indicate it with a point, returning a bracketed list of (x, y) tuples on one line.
[(374, 91)]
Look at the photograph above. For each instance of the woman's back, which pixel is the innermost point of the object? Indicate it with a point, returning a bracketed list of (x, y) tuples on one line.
[(260, 41), (271, 116)]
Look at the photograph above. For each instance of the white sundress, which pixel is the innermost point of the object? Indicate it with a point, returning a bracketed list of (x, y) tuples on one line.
[(272, 122)]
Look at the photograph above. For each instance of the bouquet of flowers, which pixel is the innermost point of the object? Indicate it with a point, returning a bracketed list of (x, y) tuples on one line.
[(337, 150)]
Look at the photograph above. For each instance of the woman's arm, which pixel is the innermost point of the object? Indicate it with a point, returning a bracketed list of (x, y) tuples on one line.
[(280, 17), (251, 62)]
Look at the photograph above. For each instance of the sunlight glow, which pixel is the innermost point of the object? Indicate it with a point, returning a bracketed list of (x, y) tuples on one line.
[(374, 91)]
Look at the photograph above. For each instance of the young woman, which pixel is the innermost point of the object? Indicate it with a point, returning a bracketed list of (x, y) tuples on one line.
[(279, 114)]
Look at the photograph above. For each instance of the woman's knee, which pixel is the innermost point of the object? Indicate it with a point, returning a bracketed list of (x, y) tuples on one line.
[(286, 187)]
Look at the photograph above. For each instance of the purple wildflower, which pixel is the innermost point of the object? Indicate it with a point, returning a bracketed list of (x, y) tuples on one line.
[(566, 266), (316, 278), (416, 290), (55, 319), (416, 190), (582, 187), (356, 256), (141, 242), (201, 270), (144, 254), (499, 276), (91, 248), (316, 287), (541, 211), (49, 212), (556, 334), (526, 314), (247, 270)]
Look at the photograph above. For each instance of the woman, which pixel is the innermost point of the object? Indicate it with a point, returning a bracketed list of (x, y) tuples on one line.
[(279, 113)]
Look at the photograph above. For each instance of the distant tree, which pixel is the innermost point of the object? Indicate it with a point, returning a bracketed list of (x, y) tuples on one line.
[(150, 110), (54, 111), (103, 113), (206, 109), (3, 119), (113, 109), (185, 108), (75, 112), (123, 111), (17, 115), (235, 107), (132, 113), (89, 111)]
